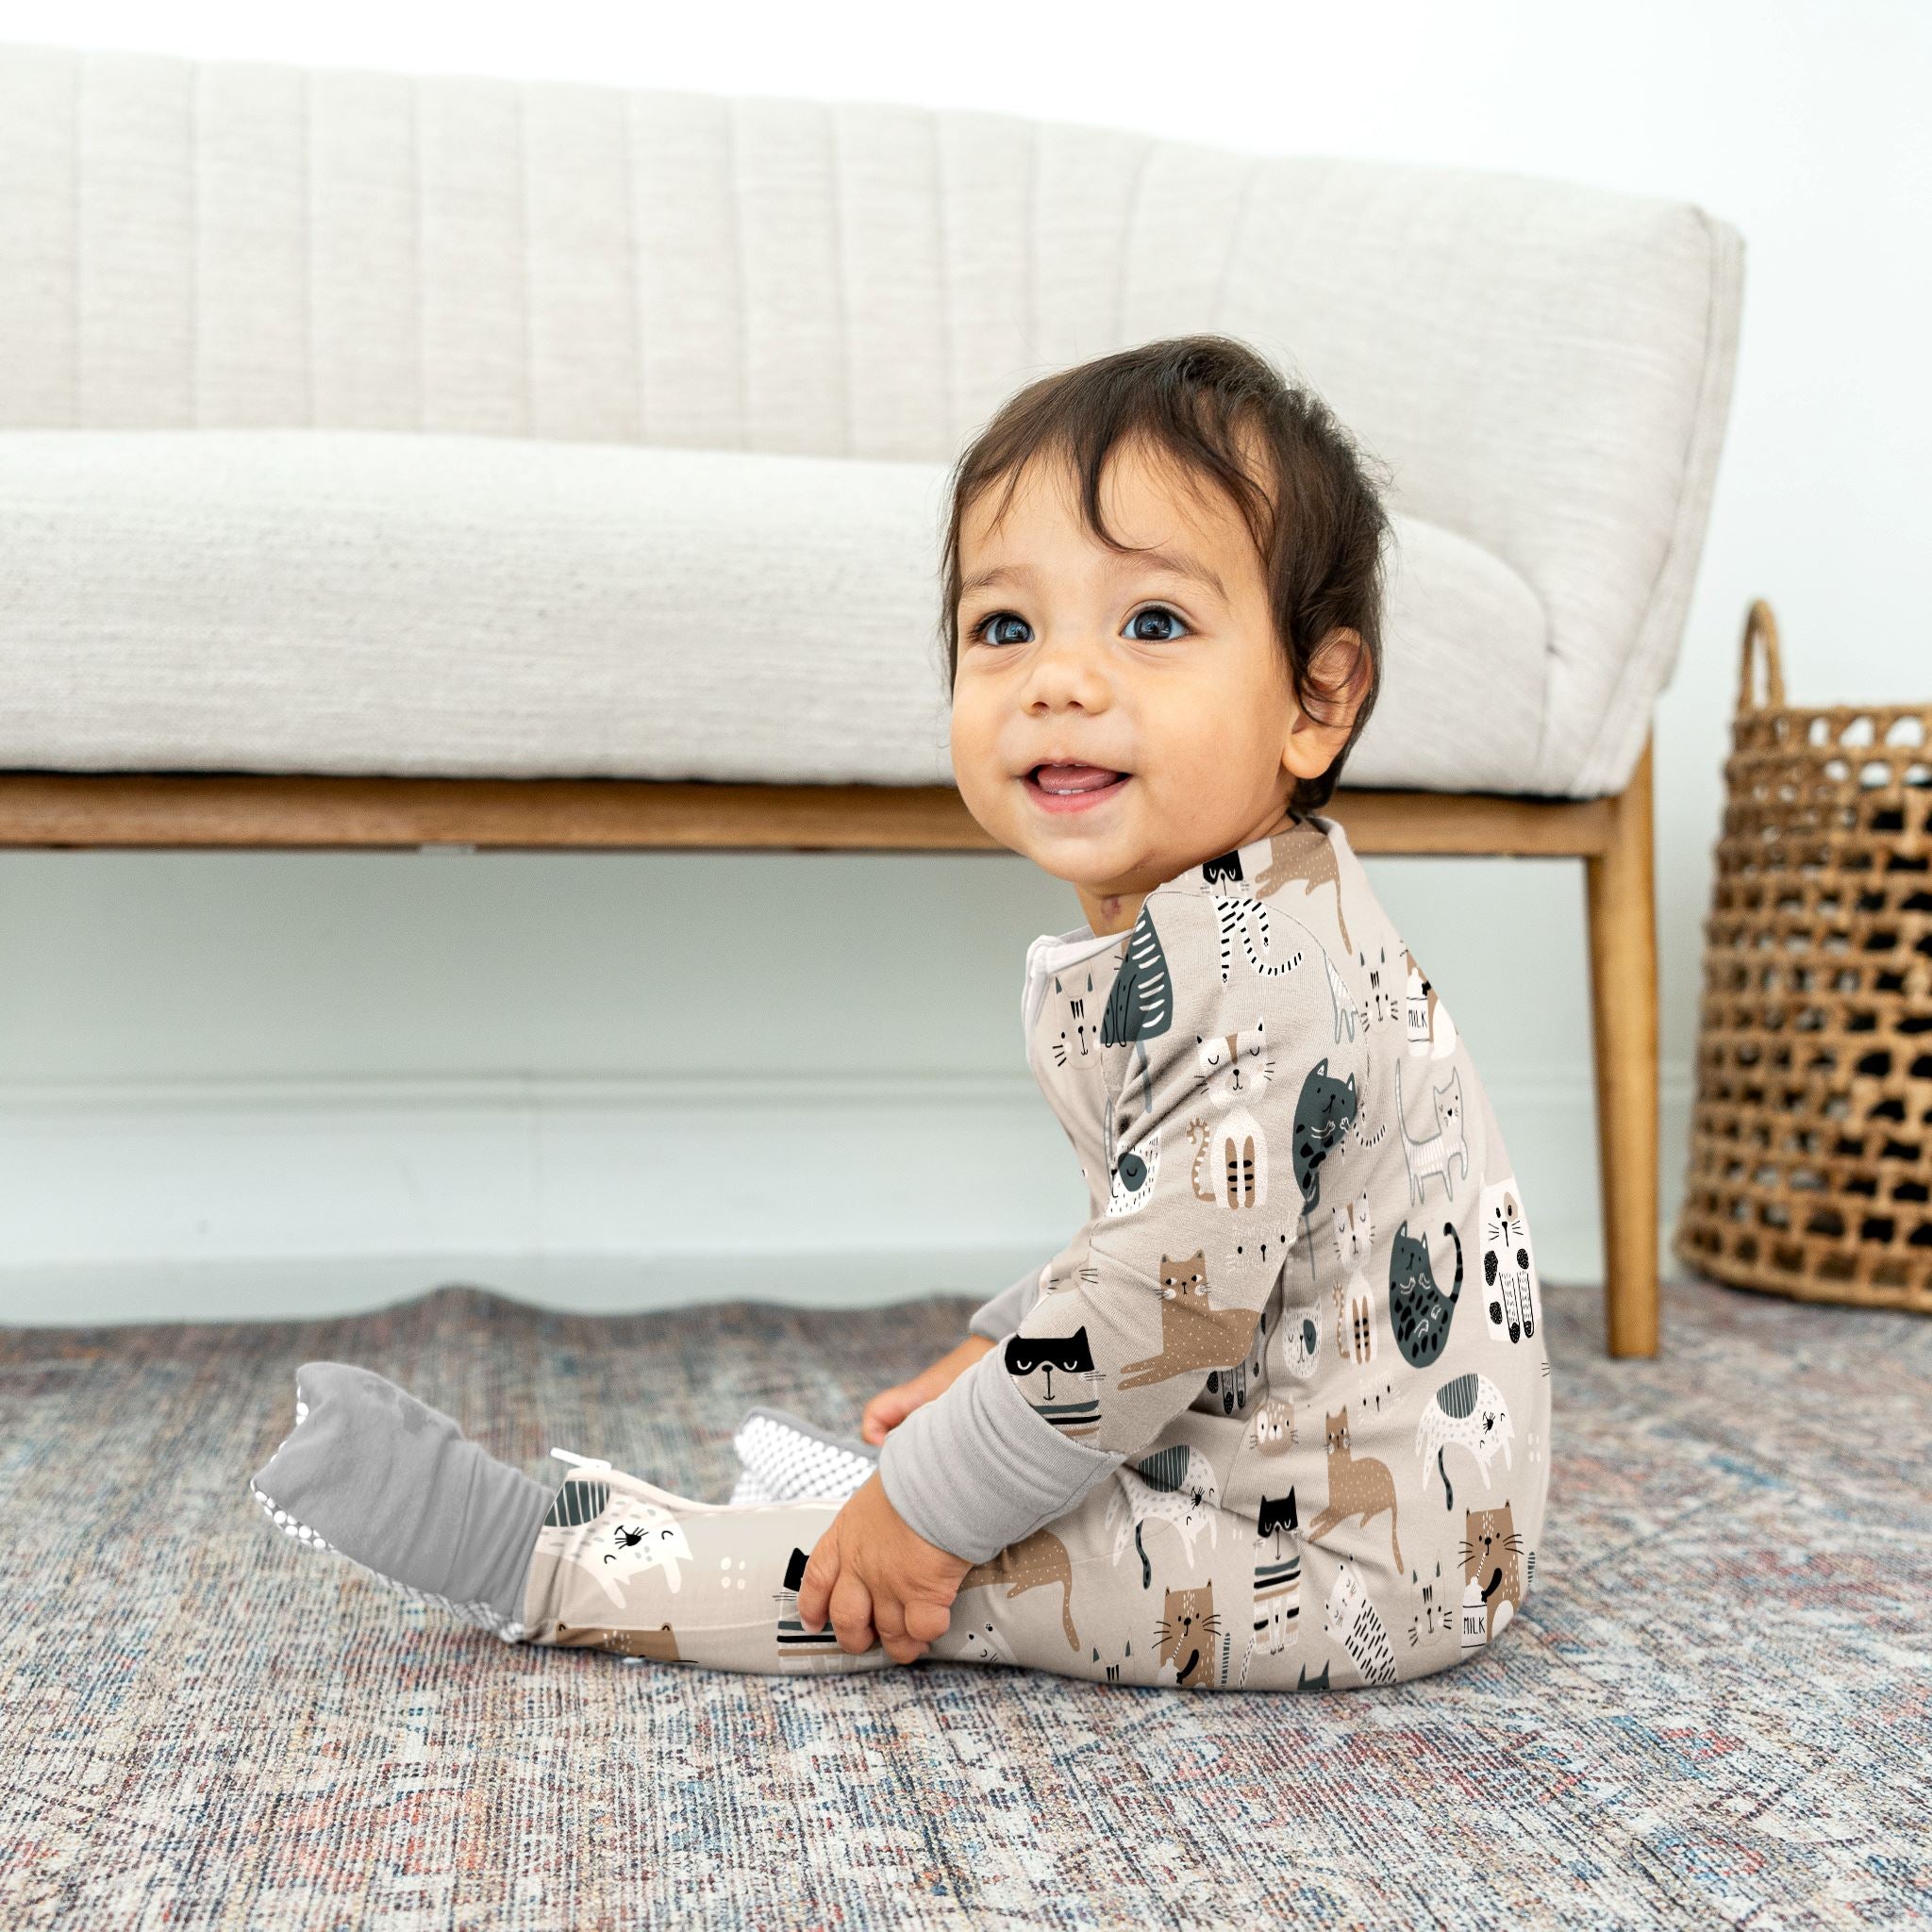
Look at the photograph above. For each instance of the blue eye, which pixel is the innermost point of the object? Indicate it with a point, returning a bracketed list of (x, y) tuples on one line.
[(1154, 611), (978, 631)]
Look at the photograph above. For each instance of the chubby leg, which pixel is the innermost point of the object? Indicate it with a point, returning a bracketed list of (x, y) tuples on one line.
[(1143, 1583), (597, 1558)]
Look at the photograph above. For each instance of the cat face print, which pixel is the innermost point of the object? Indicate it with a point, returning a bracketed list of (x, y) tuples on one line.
[(1490, 1543), (1072, 1019), (1297, 1348), (1235, 1066), (1384, 1002), (1277, 1516), (1057, 1375), (1431, 1618), (1354, 1231), (1040, 1355), (1190, 1633), (1135, 1173), (628, 1538), (1274, 1429), (1185, 1281)]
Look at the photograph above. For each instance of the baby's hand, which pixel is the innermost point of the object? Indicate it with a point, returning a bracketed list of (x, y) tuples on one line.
[(880, 1579), (890, 1407)]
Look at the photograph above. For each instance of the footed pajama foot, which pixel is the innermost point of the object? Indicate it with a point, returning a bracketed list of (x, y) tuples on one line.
[(397, 1488)]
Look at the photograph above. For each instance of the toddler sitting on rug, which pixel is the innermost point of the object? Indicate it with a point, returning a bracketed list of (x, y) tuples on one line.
[(1242, 1430)]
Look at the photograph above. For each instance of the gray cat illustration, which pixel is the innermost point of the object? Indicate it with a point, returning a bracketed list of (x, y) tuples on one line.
[(1323, 1111), (1419, 1311)]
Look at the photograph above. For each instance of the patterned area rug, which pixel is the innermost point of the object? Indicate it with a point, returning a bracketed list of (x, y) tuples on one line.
[(1715, 1710)]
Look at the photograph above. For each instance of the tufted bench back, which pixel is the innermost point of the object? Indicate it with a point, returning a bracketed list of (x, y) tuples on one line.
[(1545, 367)]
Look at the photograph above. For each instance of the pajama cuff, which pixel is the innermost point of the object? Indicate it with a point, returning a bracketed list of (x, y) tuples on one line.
[(1001, 1316), (978, 1468)]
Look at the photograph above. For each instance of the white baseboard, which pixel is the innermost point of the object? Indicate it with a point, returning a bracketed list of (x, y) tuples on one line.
[(297, 1199)]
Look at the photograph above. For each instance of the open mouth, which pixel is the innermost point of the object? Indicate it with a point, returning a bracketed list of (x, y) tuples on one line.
[(1073, 788)]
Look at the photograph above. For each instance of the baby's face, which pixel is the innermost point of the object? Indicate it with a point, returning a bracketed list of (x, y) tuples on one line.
[(1133, 665)]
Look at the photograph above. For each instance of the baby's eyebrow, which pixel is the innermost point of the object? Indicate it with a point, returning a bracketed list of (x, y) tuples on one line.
[(1169, 562)]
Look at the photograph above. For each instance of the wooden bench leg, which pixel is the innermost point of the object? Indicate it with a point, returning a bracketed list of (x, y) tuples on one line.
[(1621, 888)]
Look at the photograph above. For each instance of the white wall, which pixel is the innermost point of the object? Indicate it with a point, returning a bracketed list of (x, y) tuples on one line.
[(242, 1084)]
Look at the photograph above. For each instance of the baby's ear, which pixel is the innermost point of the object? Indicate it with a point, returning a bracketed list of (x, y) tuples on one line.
[(1335, 688), (1340, 672)]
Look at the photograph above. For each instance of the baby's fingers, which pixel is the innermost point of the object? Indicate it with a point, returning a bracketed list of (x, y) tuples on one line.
[(852, 1613), (888, 1619), (927, 1620), (887, 1411)]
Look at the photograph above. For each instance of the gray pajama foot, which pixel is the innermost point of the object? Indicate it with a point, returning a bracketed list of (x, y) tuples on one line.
[(397, 1488)]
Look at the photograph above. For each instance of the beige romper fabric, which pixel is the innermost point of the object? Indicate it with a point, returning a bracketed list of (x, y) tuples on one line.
[(1277, 1417)]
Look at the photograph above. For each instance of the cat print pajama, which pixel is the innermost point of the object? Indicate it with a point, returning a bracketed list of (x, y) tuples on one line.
[(1278, 1416)]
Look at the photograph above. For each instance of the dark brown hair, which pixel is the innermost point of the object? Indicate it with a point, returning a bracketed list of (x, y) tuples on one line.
[(1315, 516)]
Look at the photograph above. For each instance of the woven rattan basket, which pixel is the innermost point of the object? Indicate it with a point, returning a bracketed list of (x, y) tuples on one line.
[(1811, 1142)]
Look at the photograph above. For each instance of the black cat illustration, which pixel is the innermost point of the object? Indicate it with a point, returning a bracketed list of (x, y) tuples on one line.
[(1073, 1409)]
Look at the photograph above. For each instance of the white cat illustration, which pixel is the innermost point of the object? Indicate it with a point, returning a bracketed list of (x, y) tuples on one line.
[(1185, 1493), (1354, 1620), (1231, 1155), (1469, 1411), (1355, 1303), (1510, 1298), (628, 1538)]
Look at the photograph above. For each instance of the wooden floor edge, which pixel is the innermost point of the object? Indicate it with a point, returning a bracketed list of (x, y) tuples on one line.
[(257, 811)]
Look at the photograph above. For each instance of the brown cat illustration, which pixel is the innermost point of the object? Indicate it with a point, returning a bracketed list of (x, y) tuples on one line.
[(1490, 1558), (660, 1644), (1357, 1485), (1039, 1558), (1194, 1335), (1302, 853), (1188, 1631)]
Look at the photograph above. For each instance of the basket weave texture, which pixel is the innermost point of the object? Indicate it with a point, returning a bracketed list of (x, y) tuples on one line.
[(1811, 1139)]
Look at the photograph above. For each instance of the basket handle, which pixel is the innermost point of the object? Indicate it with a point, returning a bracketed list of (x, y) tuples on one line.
[(1759, 624)]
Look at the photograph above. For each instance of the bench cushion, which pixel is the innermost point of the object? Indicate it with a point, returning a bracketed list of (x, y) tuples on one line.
[(442, 604)]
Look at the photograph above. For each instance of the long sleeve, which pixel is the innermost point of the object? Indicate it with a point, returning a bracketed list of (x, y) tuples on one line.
[(1218, 1098), (998, 1317)]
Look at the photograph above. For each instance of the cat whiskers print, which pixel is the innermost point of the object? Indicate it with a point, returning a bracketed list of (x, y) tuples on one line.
[(1384, 1004), (638, 1537), (1187, 1633)]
